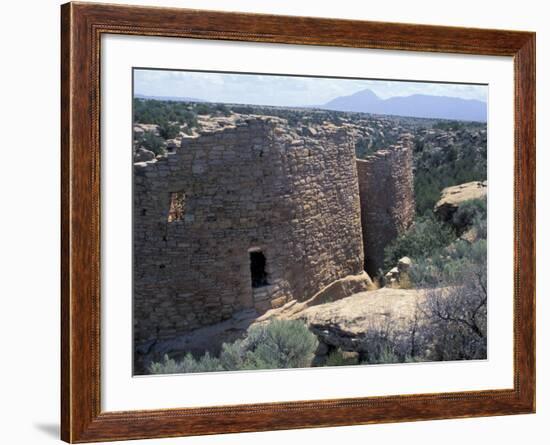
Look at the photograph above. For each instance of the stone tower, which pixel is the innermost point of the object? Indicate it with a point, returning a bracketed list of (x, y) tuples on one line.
[(248, 216), (386, 188)]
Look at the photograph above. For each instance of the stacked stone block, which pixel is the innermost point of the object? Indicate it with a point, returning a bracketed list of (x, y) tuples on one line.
[(386, 188), (256, 185)]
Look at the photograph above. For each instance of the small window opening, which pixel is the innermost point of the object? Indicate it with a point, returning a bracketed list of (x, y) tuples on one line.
[(177, 206), (257, 269)]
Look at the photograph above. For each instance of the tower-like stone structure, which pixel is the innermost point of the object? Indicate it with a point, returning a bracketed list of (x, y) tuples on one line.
[(248, 216), (386, 187)]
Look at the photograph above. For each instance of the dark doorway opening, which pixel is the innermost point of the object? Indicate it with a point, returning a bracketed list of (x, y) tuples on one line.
[(257, 269)]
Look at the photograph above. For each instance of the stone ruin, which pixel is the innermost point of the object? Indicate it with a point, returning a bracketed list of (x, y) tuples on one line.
[(255, 214), (386, 190)]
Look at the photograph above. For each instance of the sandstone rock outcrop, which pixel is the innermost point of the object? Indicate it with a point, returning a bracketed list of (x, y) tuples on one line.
[(344, 324), (453, 197), (398, 276), (143, 155), (337, 290)]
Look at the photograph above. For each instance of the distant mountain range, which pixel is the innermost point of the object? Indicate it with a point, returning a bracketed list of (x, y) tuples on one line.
[(416, 105), (366, 101), (171, 98)]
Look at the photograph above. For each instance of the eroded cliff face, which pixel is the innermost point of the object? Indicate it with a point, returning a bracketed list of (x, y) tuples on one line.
[(386, 186), (250, 215)]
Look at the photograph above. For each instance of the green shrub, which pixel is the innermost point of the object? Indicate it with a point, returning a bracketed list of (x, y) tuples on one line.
[(160, 112), (426, 236), (274, 345), (480, 226), (362, 149), (448, 125), (167, 366), (280, 344), (222, 110), (232, 355), (440, 167), (386, 354), (152, 142), (336, 358), (451, 266), (439, 259), (190, 118), (206, 363), (168, 130), (202, 109), (468, 213)]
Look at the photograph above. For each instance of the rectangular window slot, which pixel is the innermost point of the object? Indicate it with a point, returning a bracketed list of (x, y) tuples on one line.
[(177, 206)]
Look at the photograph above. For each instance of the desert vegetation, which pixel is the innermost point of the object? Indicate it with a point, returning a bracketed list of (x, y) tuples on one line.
[(449, 263), (275, 345)]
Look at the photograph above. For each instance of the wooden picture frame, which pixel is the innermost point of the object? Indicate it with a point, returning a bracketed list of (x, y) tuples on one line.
[(82, 26)]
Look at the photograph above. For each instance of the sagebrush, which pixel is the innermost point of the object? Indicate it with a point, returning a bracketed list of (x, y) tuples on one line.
[(274, 345)]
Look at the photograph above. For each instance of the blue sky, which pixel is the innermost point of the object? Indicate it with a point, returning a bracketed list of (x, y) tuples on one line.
[(283, 90)]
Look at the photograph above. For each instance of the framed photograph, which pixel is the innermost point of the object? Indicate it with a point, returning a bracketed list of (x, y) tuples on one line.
[(274, 222)]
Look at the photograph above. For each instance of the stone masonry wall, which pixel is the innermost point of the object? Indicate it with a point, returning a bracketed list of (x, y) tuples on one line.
[(256, 185), (387, 199)]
